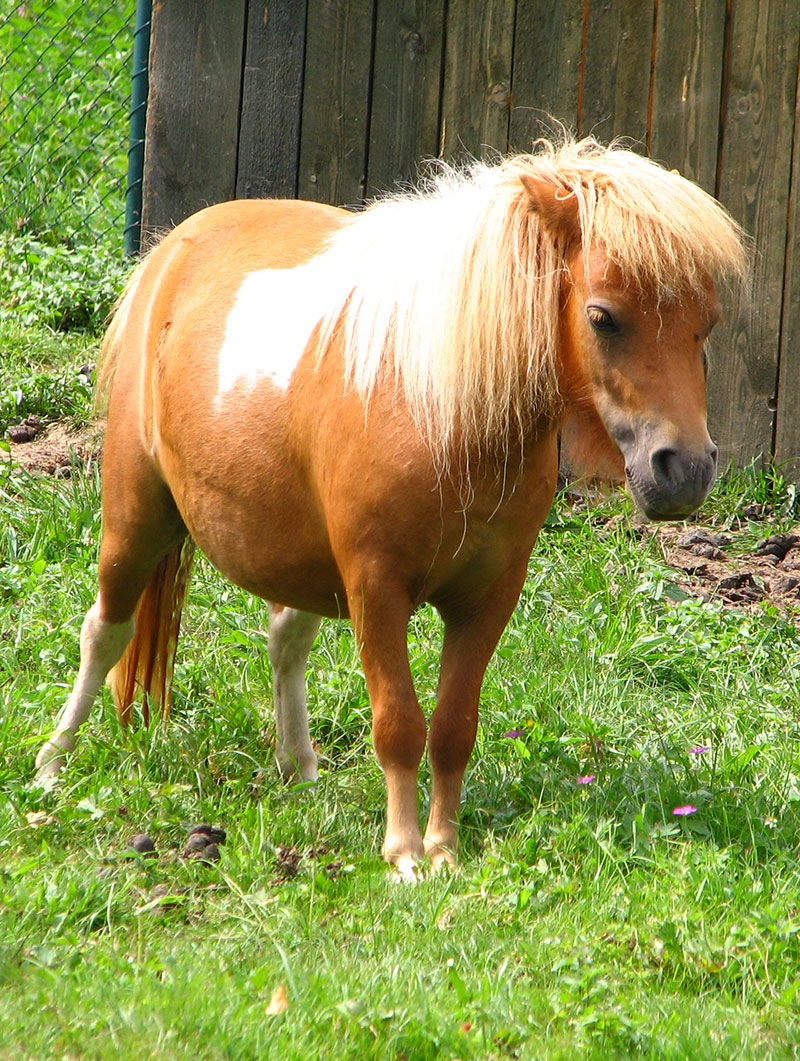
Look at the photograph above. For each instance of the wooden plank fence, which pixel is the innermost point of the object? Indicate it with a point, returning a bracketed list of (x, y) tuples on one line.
[(337, 100)]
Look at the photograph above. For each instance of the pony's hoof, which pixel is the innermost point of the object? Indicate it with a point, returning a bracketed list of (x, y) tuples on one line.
[(441, 852), (295, 772), (443, 861), (49, 763), (45, 782), (406, 868)]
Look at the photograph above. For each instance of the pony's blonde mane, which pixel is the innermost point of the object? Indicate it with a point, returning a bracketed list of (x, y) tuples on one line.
[(454, 291)]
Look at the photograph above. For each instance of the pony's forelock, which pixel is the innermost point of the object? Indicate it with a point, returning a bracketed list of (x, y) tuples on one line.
[(661, 229), (454, 290)]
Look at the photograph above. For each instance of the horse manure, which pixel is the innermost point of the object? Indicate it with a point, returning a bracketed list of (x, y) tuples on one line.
[(143, 845), (755, 511), (776, 546), (740, 588), (202, 841), (287, 860), (695, 570), (704, 543), (787, 584), (213, 833), (171, 898), (707, 551), (198, 842), (26, 431), (200, 847)]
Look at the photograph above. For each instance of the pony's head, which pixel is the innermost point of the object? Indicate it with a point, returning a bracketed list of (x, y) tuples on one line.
[(643, 248), (577, 281)]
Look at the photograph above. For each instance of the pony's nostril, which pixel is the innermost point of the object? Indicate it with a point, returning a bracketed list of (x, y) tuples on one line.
[(684, 475), (667, 466)]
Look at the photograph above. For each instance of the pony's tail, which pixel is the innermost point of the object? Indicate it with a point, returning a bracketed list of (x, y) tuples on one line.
[(111, 346), (147, 664)]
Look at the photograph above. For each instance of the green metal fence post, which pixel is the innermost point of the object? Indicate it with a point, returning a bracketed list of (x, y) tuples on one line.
[(139, 88)]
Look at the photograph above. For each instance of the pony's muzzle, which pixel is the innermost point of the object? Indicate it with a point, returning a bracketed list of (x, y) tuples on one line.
[(669, 482)]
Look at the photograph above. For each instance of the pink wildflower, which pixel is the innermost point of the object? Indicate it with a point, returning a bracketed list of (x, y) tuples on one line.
[(683, 811), (586, 779)]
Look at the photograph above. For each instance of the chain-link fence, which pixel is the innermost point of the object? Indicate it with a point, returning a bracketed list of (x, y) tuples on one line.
[(65, 102), (65, 86)]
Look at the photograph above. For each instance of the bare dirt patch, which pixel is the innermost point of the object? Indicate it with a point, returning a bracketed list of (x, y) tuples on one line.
[(712, 565), (57, 449), (748, 565)]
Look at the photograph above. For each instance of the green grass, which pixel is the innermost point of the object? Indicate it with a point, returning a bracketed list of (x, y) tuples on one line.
[(40, 374), (586, 921)]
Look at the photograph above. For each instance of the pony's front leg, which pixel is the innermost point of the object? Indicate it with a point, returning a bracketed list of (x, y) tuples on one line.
[(291, 635), (102, 645), (380, 612), (469, 640)]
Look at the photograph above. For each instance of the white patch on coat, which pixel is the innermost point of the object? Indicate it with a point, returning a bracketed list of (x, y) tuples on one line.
[(269, 326)]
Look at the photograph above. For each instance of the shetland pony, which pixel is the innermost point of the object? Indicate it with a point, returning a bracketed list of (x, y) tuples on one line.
[(351, 414)]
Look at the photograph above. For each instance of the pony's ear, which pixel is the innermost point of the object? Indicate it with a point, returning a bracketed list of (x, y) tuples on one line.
[(557, 208)]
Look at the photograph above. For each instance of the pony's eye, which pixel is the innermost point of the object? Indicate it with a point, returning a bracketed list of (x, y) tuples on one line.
[(601, 320)]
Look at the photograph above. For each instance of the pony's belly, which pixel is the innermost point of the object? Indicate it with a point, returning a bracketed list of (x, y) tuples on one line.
[(270, 560), (254, 518)]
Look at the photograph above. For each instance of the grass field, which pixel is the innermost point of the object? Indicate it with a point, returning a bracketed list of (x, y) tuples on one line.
[(587, 920)]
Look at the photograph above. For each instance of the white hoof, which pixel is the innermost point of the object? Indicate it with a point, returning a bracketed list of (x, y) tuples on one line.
[(407, 869), (294, 770), (52, 757)]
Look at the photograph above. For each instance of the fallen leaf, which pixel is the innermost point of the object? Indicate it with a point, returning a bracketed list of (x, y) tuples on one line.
[(39, 817), (278, 1003)]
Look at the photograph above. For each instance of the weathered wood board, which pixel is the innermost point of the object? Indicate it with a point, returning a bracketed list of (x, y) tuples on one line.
[(787, 397), (406, 91), (196, 50), (272, 99), (688, 70), (548, 43), (476, 97), (617, 60), (754, 178), (336, 97)]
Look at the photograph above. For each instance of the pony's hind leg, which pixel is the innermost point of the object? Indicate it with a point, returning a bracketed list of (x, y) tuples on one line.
[(140, 526), (102, 645), (291, 635)]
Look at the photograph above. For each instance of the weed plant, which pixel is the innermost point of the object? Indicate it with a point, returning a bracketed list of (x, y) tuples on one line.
[(30, 383), (587, 920)]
